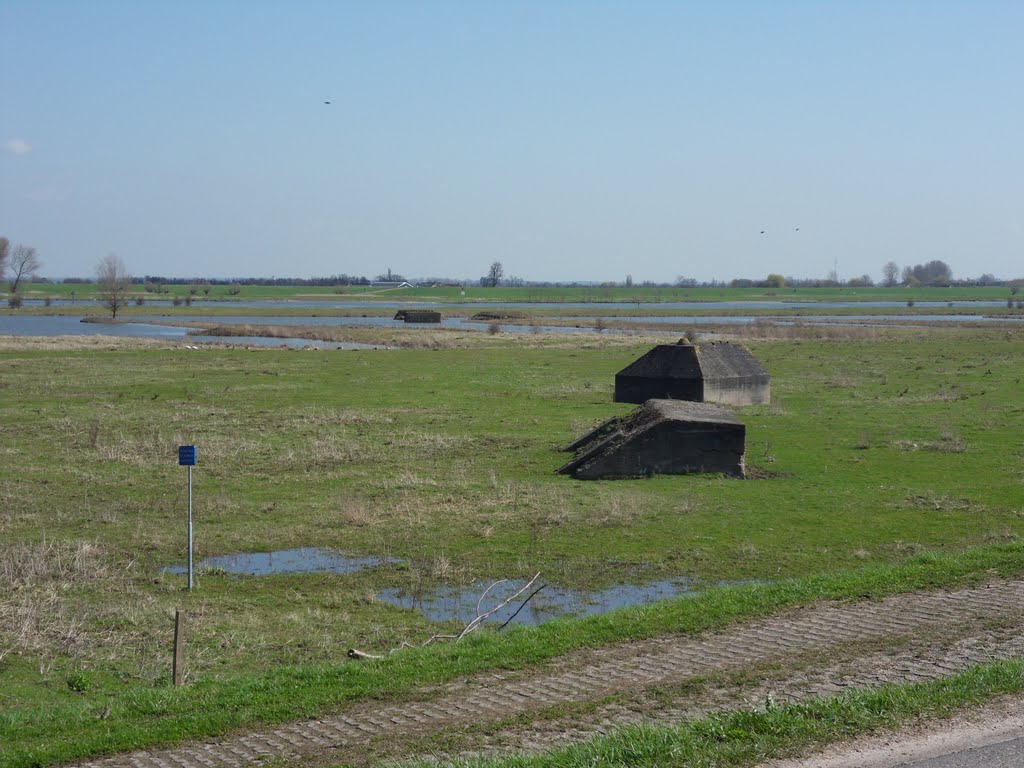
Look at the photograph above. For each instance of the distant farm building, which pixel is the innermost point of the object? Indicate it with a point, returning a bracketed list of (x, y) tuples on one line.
[(418, 316), (390, 284), (662, 437), (719, 372)]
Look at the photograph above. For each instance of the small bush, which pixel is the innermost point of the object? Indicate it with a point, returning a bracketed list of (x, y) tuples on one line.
[(79, 682), (176, 301), (140, 300), (494, 328), (48, 301), (949, 441), (910, 302), (14, 301)]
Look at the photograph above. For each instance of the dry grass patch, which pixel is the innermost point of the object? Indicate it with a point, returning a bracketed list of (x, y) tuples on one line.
[(938, 502), (842, 381), (615, 509), (71, 343), (354, 512), (406, 478), (30, 565), (40, 612), (430, 442), (330, 450), (949, 394), (949, 441)]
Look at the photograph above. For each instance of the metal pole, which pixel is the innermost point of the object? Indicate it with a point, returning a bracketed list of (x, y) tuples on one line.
[(190, 528)]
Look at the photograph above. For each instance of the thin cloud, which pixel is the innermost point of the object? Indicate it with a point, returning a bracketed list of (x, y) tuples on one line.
[(18, 146)]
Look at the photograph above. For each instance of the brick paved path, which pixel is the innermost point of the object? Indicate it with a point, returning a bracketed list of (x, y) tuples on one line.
[(594, 675)]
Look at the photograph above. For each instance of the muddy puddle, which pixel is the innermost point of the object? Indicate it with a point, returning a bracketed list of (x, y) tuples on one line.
[(463, 604), (301, 560), (450, 603)]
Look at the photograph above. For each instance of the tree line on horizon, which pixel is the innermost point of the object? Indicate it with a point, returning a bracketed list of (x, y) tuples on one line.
[(24, 263)]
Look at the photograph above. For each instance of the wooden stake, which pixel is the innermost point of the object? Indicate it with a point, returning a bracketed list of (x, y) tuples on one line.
[(178, 669)]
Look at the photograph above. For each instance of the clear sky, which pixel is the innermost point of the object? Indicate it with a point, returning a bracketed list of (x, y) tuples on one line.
[(568, 140)]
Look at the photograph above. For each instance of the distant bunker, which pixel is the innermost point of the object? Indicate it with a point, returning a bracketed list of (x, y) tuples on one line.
[(418, 316), (719, 372), (662, 437)]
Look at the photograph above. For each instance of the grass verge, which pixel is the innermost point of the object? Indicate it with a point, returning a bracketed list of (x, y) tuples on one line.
[(54, 733), (746, 738)]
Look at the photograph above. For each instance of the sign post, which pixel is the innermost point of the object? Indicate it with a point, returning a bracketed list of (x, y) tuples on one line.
[(187, 458)]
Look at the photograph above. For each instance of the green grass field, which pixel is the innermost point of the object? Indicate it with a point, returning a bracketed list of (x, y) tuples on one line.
[(876, 454)]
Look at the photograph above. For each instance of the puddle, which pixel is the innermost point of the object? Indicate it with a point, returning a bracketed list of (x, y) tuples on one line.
[(460, 603), (301, 560)]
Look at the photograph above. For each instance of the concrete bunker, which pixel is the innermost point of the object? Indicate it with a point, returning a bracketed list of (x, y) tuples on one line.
[(719, 372), (667, 437), (418, 316)]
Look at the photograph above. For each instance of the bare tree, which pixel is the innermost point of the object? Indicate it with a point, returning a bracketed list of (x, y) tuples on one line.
[(5, 249), (494, 274), (112, 283), (24, 262), (889, 274)]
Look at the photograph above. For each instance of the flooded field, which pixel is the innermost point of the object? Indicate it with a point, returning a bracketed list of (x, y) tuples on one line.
[(299, 560), (446, 602), (463, 604)]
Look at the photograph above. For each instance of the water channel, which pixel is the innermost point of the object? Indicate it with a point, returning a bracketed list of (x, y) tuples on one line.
[(151, 326)]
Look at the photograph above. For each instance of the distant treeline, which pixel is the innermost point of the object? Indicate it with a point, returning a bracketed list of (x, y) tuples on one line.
[(935, 274), (285, 281)]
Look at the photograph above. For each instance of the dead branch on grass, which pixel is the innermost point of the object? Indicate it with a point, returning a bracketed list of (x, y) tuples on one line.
[(475, 624), (357, 654)]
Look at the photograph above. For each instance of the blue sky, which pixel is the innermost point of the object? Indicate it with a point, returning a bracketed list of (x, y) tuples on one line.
[(568, 140)]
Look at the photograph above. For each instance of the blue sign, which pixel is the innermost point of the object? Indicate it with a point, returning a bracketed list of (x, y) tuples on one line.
[(187, 455)]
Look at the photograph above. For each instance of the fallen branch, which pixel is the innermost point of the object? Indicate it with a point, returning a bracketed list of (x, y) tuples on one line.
[(482, 617), (516, 613), (472, 626), (354, 653)]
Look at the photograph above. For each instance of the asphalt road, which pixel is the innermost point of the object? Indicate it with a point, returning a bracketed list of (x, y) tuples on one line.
[(1005, 754), (989, 737)]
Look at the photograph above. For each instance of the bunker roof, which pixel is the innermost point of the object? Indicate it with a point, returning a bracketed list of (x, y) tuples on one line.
[(717, 360)]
